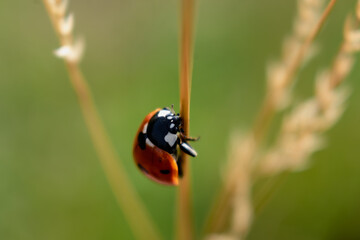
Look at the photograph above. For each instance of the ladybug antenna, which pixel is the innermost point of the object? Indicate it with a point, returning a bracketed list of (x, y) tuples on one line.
[(172, 109)]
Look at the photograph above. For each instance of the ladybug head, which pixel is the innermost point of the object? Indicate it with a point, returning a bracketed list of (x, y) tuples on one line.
[(174, 123)]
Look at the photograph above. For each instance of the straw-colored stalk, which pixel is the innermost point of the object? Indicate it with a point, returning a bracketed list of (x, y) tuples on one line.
[(184, 211), (297, 48), (301, 131), (242, 211), (240, 152), (71, 52)]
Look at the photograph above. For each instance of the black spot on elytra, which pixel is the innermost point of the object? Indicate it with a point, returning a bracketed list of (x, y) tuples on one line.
[(142, 168), (142, 140), (165, 171)]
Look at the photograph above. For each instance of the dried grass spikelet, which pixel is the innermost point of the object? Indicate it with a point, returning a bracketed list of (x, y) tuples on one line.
[(308, 14), (70, 50), (238, 180), (279, 73), (297, 48), (243, 210), (242, 204), (221, 237), (302, 129), (240, 151)]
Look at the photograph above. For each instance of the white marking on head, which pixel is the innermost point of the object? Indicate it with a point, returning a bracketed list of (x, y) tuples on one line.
[(172, 125), (169, 117), (149, 143), (145, 128), (170, 138), (163, 113)]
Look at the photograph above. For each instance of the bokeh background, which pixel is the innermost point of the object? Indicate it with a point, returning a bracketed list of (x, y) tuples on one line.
[(51, 183)]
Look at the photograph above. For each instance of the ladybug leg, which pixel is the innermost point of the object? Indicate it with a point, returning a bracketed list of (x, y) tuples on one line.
[(186, 148), (180, 168), (179, 160), (186, 138)]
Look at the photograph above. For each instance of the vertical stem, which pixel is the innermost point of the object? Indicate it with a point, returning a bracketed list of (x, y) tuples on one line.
[(128, 200), (185, 223)]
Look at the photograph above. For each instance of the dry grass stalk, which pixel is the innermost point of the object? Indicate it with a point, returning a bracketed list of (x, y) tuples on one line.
[(184, 211), (240, 152), (302, 129), (281, 75), (297, 48), (242, 203), (71, 51)]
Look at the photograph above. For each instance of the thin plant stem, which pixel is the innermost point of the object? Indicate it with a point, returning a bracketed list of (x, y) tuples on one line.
[(185, 220), (219, 212), (267, 191), (127, 199)]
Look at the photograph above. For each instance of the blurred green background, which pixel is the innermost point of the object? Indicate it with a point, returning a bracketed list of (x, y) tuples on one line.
[(51, 183)]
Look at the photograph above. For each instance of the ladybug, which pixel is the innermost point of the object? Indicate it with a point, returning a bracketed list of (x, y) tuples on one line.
[(157, 146)]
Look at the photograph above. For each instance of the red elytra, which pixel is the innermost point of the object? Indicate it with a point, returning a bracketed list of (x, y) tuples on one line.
[(152, 159)]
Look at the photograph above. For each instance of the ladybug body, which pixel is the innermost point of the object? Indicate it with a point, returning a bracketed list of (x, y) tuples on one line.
[(157, 145)]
